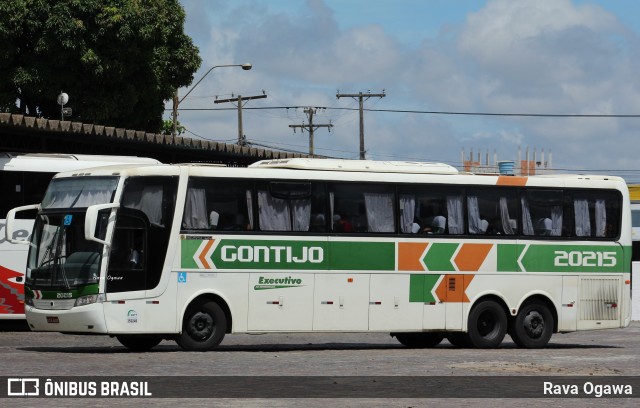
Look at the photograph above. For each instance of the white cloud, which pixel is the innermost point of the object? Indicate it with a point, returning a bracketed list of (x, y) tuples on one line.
[(526, 56)]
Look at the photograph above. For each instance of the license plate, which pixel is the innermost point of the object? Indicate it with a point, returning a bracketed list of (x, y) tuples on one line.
[(53, 319)]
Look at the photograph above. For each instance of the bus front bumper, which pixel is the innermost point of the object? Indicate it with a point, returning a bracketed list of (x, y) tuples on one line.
[(82, 319)]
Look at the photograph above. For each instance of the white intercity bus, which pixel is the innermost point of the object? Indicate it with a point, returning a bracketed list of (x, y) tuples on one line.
[(417, 250), (23, 180)]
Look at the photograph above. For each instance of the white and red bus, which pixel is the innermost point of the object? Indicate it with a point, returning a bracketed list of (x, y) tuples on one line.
[(23, 180)]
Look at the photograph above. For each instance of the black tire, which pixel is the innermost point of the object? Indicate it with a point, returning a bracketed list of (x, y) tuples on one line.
[(487, 324), (139, 342), (419, 340), (460, 340), (203, 327), (533, 326)]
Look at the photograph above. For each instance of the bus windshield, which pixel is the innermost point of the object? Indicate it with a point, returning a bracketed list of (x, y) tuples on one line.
[(79, 192), (60, 256)]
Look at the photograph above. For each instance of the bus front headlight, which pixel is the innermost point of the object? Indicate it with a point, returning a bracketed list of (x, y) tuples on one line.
[(89, 299)]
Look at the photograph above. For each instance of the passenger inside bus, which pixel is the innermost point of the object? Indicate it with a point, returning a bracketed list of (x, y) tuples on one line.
[(341, 225)]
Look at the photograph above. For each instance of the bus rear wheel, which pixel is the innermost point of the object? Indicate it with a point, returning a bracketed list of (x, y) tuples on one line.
[(139, 342), (418, 340), (203, 327), (487, 324), (533, 326)]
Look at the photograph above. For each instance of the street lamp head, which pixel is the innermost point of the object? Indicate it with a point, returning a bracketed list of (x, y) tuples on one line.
[(246, 66)]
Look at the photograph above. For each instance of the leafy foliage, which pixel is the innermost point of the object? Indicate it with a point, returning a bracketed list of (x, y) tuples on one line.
[(118, 60)]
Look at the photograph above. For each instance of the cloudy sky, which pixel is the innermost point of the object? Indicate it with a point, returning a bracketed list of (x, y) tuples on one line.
[(441, 64)]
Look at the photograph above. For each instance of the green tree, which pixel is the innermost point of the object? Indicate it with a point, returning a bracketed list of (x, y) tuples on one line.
[(118, 60)]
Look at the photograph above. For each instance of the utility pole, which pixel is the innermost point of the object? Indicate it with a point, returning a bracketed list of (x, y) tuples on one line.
[(239, 100), (310, 127), (361, 98)]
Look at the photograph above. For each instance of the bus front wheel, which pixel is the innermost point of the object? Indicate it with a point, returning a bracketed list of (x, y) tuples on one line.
[(203, 327), (487, 324), (139, 342), (533, 326)]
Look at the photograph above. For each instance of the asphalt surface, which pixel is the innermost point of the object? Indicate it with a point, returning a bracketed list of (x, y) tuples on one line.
[(589, 354)]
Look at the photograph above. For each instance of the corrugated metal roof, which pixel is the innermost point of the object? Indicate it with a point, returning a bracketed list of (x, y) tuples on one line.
[(129, 135)]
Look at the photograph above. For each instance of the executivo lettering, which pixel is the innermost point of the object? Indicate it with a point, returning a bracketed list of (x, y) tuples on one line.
[(276, 254), (277, 283)]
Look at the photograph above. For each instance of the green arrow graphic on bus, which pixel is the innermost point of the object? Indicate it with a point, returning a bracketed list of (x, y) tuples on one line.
[(438, 257), (421, 288)]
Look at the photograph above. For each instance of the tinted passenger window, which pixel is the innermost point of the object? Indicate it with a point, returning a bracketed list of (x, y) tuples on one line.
[(492, 211), (596, 214), (358, 208), (431, 210), (291, 206), (218, 204)]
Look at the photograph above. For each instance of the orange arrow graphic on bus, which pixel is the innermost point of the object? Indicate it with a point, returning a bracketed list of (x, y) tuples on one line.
[(410, 254), (204, 254), (453, 288), (471, 256)]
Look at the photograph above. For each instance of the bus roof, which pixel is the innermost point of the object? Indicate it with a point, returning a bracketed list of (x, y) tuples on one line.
[(55, 162), (370, 166)]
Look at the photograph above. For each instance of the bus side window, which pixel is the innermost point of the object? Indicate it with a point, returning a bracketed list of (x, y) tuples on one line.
[(218, 204), (543, 213), (596, 214)]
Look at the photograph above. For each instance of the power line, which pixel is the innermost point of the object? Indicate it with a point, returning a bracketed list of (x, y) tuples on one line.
[(549, 115)]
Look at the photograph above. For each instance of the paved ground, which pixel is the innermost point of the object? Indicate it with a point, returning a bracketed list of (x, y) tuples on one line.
[(596, 353)]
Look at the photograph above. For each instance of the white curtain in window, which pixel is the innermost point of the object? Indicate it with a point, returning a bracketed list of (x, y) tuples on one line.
[(527, 224), (301, 213), (601, 218), (556, 221), (149, 201), (475, 223), (504, 217), (250, 208), (273, 213), (581, 210), (455, 218), (78, 194), (195, 210), (379, 209), (407, 212)]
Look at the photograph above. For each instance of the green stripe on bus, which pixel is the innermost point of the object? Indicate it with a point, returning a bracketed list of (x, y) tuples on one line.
[(354, 256), (421, 287), (291, 255)]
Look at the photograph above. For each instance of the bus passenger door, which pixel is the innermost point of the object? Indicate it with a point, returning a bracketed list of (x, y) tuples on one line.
[(280, 301)]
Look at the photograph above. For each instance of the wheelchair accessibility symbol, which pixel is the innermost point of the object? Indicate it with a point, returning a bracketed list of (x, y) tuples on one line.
[(182, 277)]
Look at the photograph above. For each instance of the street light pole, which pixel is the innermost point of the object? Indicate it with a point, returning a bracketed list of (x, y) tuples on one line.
[(176, 102)]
